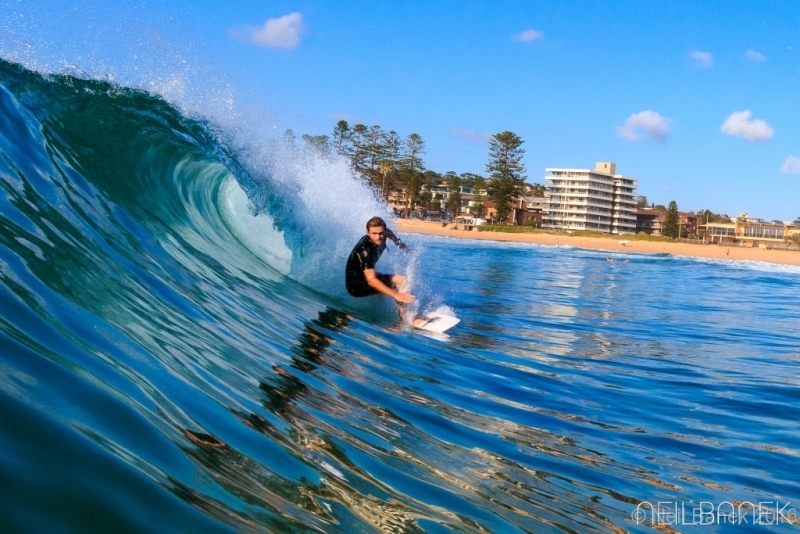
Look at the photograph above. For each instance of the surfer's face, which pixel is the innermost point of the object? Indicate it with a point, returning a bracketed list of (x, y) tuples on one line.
[(377, 234)]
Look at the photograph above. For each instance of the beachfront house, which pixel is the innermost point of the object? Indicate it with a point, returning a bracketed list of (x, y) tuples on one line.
[(397, 198), (687, 224), (650, 221), (596, 199), (746, 231), (527, 211), (523, 210), (441, 194)]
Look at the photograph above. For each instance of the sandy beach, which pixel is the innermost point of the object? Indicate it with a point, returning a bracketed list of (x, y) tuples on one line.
[(786, 257)]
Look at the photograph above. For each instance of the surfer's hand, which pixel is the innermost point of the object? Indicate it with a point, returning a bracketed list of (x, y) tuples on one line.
[(402, 246), (405, 298)]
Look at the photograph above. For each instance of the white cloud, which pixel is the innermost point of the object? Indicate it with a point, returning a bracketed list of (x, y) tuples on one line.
[(283, 32), (702, 60), (472, 136), (528, 36), (740, 125), (755, 56), (791, 165), (647, 124)]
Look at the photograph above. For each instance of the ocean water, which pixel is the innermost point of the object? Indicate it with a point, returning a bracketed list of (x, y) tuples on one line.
[(178, 354)]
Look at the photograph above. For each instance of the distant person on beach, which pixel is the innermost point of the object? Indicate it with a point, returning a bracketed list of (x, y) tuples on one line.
[(360, 276)]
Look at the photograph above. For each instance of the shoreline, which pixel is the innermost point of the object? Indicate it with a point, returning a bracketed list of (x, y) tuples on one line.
[(782, 257)]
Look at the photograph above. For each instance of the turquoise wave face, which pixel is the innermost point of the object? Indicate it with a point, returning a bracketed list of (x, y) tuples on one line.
[(158, 373)]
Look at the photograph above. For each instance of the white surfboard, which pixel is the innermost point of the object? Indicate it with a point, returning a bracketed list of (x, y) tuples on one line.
[(436, 322)]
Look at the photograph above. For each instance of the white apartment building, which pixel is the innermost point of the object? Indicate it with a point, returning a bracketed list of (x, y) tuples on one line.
[(598, 200)]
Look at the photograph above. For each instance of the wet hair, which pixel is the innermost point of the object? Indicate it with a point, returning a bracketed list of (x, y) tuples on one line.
[(374, 222)]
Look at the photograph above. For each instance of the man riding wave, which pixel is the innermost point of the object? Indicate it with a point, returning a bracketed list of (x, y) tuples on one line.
[(361, 279)]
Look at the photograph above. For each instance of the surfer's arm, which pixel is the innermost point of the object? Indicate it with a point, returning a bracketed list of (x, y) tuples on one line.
[(375, 283), (396, 240)]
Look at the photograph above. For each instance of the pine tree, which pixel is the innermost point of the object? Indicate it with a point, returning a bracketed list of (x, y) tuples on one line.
[(671, 222), (358, 155), (341, 138), (393, 147), (318, 144), (412, 167), (505, 169), (374, 150)]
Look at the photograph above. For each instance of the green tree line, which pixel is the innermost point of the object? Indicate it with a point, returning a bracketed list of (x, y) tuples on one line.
[(386, 161)]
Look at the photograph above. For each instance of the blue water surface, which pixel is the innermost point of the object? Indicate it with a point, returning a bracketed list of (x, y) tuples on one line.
[(158, 375)]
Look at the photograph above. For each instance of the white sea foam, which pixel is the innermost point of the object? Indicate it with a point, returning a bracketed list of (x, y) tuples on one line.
[(750, 265), (320, 207)]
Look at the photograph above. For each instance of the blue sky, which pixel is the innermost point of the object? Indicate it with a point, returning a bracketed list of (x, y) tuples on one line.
[(698, 100)]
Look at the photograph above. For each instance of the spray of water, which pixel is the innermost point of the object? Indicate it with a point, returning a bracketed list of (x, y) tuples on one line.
[(298, 210)]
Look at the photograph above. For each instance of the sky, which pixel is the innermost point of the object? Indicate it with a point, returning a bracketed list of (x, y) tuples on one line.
[(699, 101)]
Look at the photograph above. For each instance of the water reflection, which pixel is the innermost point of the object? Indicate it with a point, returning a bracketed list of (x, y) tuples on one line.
[(307, 356), (346, 495)]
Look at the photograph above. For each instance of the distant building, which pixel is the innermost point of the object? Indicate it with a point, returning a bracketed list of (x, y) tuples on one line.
[(522, 210), (527, 210), (748, 231), (441, 194), (650, 221), (687, 223), (397, 198), (444, 190), (582, 199), (719, 232)]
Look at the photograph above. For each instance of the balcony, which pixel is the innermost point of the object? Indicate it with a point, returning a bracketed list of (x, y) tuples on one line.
[(580, 209)]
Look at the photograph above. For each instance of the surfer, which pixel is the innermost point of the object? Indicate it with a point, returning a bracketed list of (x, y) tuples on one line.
[(361, 279)]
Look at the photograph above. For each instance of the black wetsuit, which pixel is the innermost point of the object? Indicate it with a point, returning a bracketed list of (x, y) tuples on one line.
[(364, 256)]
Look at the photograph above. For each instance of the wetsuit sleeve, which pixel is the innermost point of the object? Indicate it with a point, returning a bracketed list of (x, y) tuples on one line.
[(396, 240)]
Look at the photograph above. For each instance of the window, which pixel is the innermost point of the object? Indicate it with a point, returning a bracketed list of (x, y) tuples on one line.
[(715, 230), (764, 232)]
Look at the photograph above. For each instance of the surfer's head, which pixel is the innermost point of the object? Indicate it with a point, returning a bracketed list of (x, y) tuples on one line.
[(376, 230)]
